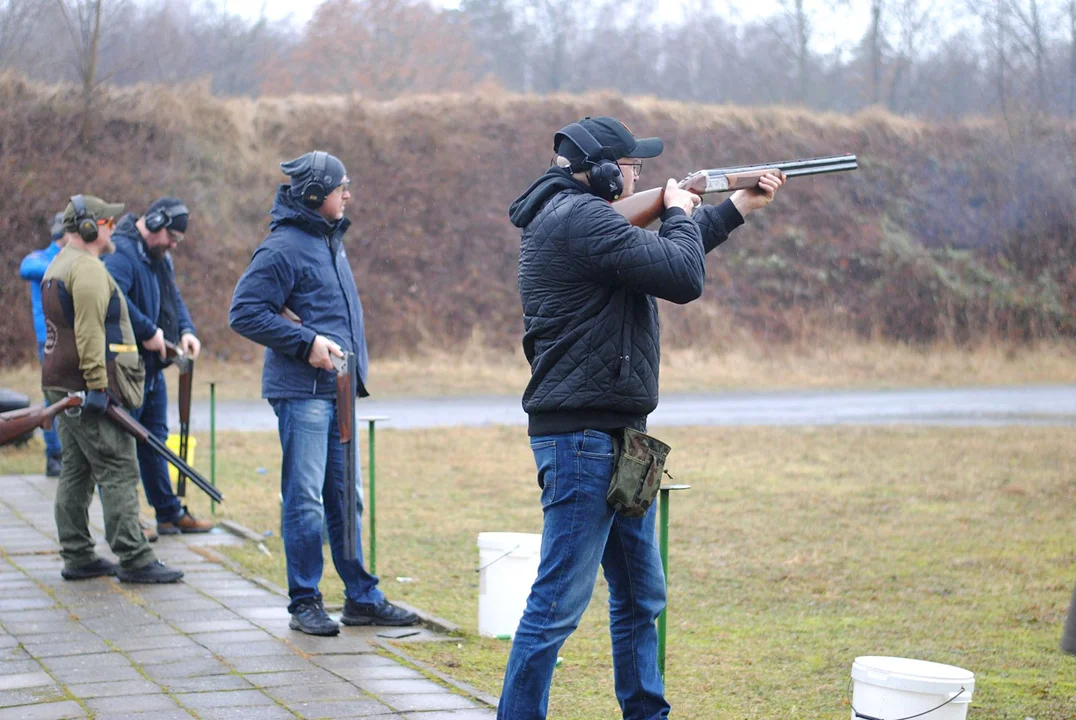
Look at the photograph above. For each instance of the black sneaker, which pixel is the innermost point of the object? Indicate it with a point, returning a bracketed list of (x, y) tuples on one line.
[(53, 466), (309, 616), (98, 568), (384, 613), (154, 573)]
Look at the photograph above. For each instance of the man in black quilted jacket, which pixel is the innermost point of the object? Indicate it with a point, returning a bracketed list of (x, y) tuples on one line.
[(589, 281)]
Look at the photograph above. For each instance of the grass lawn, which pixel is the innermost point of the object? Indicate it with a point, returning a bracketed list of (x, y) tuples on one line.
[(795, 551), (741, 363)]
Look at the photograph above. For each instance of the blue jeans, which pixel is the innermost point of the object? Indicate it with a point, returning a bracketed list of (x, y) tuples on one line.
[(581, 531), (311, 483), (154, 468), (52, 439)]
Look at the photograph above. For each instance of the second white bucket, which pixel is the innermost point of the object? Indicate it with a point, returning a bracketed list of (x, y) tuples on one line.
[(892, 688), (508, 566)]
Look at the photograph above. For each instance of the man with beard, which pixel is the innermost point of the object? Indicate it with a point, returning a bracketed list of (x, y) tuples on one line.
[(143, 270), (90, 348)]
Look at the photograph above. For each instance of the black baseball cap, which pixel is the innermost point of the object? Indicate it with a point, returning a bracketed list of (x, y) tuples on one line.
[(615, 137)]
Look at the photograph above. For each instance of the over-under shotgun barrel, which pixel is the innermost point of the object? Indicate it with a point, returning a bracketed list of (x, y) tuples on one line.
[(645, 207)]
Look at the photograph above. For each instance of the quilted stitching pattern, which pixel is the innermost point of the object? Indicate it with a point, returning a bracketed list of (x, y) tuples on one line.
[(588, 282)]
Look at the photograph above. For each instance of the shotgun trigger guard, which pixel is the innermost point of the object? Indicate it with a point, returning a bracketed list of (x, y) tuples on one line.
[(339, 363)]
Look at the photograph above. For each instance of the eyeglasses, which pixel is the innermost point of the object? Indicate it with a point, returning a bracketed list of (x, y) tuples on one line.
[(344, 187), (175, 236), (636, 167), (107, 222)]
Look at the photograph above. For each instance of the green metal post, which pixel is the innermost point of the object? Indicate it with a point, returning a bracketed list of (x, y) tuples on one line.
[(372, 501), (663, 545), (212, 442)]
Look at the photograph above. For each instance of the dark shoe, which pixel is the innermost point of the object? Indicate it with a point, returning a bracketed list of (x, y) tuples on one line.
[(155, 573), (98, 568), (185, 524), (369, 614), (310, 617), (53, 466)]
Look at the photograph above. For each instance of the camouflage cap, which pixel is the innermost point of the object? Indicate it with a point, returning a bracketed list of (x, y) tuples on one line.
[(95, 206)]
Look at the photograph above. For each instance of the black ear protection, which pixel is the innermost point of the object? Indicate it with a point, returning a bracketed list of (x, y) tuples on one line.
[(604, 174), (85, 223), (162, 217), (314, 191)]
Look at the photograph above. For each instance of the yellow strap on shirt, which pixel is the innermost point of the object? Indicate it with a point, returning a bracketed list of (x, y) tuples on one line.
[(117, 348)]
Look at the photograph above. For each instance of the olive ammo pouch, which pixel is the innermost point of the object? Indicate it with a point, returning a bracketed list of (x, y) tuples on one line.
[(639, 461)]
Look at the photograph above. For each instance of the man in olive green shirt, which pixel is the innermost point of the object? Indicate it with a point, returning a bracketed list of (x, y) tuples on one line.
[(90, 348)]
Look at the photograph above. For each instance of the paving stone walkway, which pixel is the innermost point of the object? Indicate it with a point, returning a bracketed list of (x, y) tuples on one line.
[(215, 646)]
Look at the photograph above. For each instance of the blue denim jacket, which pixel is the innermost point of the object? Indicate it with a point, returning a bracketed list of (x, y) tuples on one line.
[(301, 264)]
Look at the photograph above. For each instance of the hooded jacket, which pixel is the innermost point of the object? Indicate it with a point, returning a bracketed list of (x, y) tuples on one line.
[(302, 264), (588, 281), (153, 298), (32, 269)]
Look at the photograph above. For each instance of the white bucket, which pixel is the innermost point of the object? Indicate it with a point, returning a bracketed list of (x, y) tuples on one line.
[(890, 688), (508, 566)]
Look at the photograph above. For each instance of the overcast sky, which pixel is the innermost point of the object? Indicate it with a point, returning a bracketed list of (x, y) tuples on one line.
[(849, 23)]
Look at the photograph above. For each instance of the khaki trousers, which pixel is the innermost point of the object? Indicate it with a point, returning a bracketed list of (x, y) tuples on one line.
[(97, 453)]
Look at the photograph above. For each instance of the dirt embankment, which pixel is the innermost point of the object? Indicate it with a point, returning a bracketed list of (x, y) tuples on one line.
[(958, 232)]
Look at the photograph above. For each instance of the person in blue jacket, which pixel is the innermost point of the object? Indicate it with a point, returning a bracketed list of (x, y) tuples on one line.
[(143, 271), (32, 270), (303, 265)]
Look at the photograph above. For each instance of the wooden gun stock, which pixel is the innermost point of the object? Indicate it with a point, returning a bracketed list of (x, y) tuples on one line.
[(288, 314), (643, 208), (345, 416), (185, 364), (16, 423)]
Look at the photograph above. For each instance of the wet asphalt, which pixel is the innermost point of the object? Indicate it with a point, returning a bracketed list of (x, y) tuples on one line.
[(980, 406)]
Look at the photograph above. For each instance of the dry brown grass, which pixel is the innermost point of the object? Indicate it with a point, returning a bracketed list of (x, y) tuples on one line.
[(436, 257), (745, 365)]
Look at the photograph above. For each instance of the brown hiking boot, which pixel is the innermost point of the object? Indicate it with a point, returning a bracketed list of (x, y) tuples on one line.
[(186, 523)]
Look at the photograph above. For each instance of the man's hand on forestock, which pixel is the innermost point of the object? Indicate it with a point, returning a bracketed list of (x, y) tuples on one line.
[(156, 344), (190, 345), (756, 198), (321, 351)]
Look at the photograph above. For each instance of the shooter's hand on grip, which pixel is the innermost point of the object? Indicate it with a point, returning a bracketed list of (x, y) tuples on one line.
[(677, 197), (321, 351)]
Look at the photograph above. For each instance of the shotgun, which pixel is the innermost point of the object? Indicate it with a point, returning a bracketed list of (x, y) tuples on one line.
[(129, 425), (16, 423), (345, 417), (185, 365), (645, 207)]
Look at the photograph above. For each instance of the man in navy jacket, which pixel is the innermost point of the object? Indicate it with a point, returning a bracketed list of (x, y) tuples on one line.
[(302, 265), (32, 270), (588, 283), (143, 271)]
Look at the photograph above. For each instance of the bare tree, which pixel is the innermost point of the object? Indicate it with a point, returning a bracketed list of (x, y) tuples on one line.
[(83, 21), (1072, 57), (16, 23), (875, 42)]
